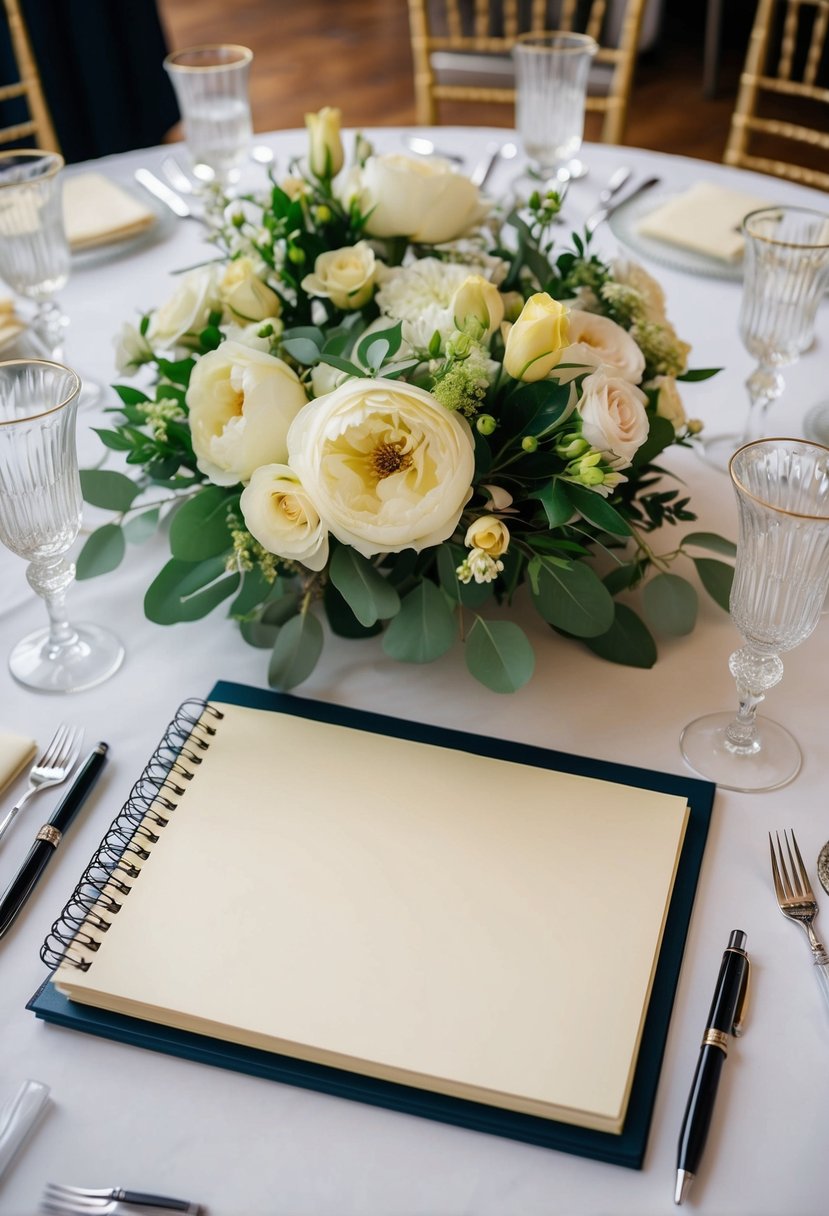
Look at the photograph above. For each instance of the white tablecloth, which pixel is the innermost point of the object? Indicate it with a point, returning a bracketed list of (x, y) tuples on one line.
[(242, 1145)]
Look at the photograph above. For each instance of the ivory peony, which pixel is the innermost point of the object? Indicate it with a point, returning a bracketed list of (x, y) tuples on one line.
[(424, 200)]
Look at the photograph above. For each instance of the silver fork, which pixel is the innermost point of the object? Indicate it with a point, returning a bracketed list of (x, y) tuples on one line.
[(51, 768), (109, 1201), (797, 900)]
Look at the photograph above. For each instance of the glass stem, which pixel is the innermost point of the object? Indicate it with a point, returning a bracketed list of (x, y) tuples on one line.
[(764, 385), (50, 578), (754, 674), (49, 323)]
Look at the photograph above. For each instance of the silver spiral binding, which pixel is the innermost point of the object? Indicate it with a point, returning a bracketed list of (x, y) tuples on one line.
[(108, 879)]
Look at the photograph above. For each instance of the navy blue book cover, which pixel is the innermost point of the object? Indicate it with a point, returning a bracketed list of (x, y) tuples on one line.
[(627, 1148)]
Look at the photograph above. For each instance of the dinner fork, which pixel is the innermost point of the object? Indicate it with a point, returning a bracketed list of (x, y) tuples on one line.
[(797, 900), (51, 768), (109, 1201)]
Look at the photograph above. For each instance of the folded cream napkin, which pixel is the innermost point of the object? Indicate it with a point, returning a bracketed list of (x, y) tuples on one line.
[(705, 219), (15, 753), (98, 211)]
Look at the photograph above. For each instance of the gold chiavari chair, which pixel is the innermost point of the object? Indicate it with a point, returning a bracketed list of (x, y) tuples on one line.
[(482, 33), (788, 59), (39, 124)]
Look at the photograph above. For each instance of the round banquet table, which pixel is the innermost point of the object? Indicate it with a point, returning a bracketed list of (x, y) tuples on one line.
[(241, 1145)]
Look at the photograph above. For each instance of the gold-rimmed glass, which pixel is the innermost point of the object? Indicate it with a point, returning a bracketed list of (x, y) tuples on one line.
[(40, 516), (551, 72), (780, 583), (211, 85), (786, 275)]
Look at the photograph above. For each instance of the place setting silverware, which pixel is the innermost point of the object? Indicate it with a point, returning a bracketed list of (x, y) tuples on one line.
[(496, 152), (61, 1200), (166, 195), (612, 202), (422, 146), (796, 899), (52, 767)]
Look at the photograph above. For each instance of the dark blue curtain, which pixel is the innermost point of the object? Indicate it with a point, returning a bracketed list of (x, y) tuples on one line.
[(100, 64)]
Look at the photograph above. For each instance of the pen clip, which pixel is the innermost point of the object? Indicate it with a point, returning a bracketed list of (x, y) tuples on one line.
[(742, 1002)]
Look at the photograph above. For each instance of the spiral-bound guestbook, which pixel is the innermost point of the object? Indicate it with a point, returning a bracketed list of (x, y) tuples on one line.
[(447, 924)]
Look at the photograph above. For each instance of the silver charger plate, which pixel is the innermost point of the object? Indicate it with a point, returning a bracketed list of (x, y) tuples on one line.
[(624, 224), (107, 251)]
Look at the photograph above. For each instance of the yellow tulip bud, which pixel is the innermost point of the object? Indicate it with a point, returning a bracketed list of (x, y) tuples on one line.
[(536, 340), (478, 302), (325, 151)]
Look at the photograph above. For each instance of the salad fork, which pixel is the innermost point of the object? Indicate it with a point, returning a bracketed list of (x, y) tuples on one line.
[(110, 1201), (51, 768), (797, 900)]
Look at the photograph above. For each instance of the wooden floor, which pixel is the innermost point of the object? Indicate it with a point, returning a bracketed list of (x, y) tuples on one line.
[(355, 54)]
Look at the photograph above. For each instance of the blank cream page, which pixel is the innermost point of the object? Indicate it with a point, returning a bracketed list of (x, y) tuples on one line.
[(460, 923)]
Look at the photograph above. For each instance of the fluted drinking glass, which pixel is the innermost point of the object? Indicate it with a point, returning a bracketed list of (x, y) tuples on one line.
[(780, 582), (40, 515), (786, 274), (211, 85), (551, 71)]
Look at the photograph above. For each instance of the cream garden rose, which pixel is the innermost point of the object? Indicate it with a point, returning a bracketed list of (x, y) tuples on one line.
[(386, 466), (344, 276), (613, 416), (424, 200), (281, 516), (242, 402), (596, 341), (489, 534), (188, 309), (534, 343), (244, 295), (325, 145)]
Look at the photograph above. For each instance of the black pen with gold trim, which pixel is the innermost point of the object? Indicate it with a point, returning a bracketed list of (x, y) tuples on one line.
[(724, 1019), (49, 837)]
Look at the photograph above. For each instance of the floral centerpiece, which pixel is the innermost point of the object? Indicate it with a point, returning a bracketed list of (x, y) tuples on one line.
[(384, 401)]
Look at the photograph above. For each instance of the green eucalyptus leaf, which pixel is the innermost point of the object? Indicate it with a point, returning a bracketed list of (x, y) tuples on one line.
[(103, 551), (342, 620), (597, 510), (620, 578), (130, 395), (424, 628), (199, 527), (710, 540), (142, 526), (369, 596), (670, 604), (716, 577), (116, 441), (255, 590), (554, 499), (106, 488), (295, 653), (262, 630), (303, 350), (573, 599), (627, 641), (187, 591), (499, 655)]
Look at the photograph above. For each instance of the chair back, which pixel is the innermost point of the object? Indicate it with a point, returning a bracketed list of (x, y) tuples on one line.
[(787, 63), (461, 50), (39, 123)]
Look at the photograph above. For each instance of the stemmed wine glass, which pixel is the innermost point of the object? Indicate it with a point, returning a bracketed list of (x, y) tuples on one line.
[(786, 274), (40, 515), (780, 581), (551, 70)]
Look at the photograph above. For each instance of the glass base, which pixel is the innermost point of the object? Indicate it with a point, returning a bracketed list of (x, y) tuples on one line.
[(718, 450), (92, 658), (816, 424), (776, 761)]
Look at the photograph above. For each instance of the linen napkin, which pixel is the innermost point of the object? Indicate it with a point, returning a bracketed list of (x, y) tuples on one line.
[(16, 751), (98, 211), (705, 219)]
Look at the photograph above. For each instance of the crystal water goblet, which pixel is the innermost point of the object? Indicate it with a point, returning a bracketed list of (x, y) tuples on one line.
[(786, 274), (551, 71), (780, 582), (40, 516), (211, 86)]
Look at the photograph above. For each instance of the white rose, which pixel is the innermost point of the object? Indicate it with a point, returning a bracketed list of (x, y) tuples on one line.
[(244, 294), (242, 402), (596, 341), (387, 467), (424, 200), (613, 415), (668, 401), (281, 516), (343, 276), (131, 350), (188, 309)]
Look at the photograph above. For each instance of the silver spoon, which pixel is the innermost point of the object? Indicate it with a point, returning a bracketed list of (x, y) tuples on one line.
[(480, 175), (424, 147), (823, 867)]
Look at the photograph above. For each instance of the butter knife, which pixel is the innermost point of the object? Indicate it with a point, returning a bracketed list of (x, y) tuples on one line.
[(598, 217), (160, 190)]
